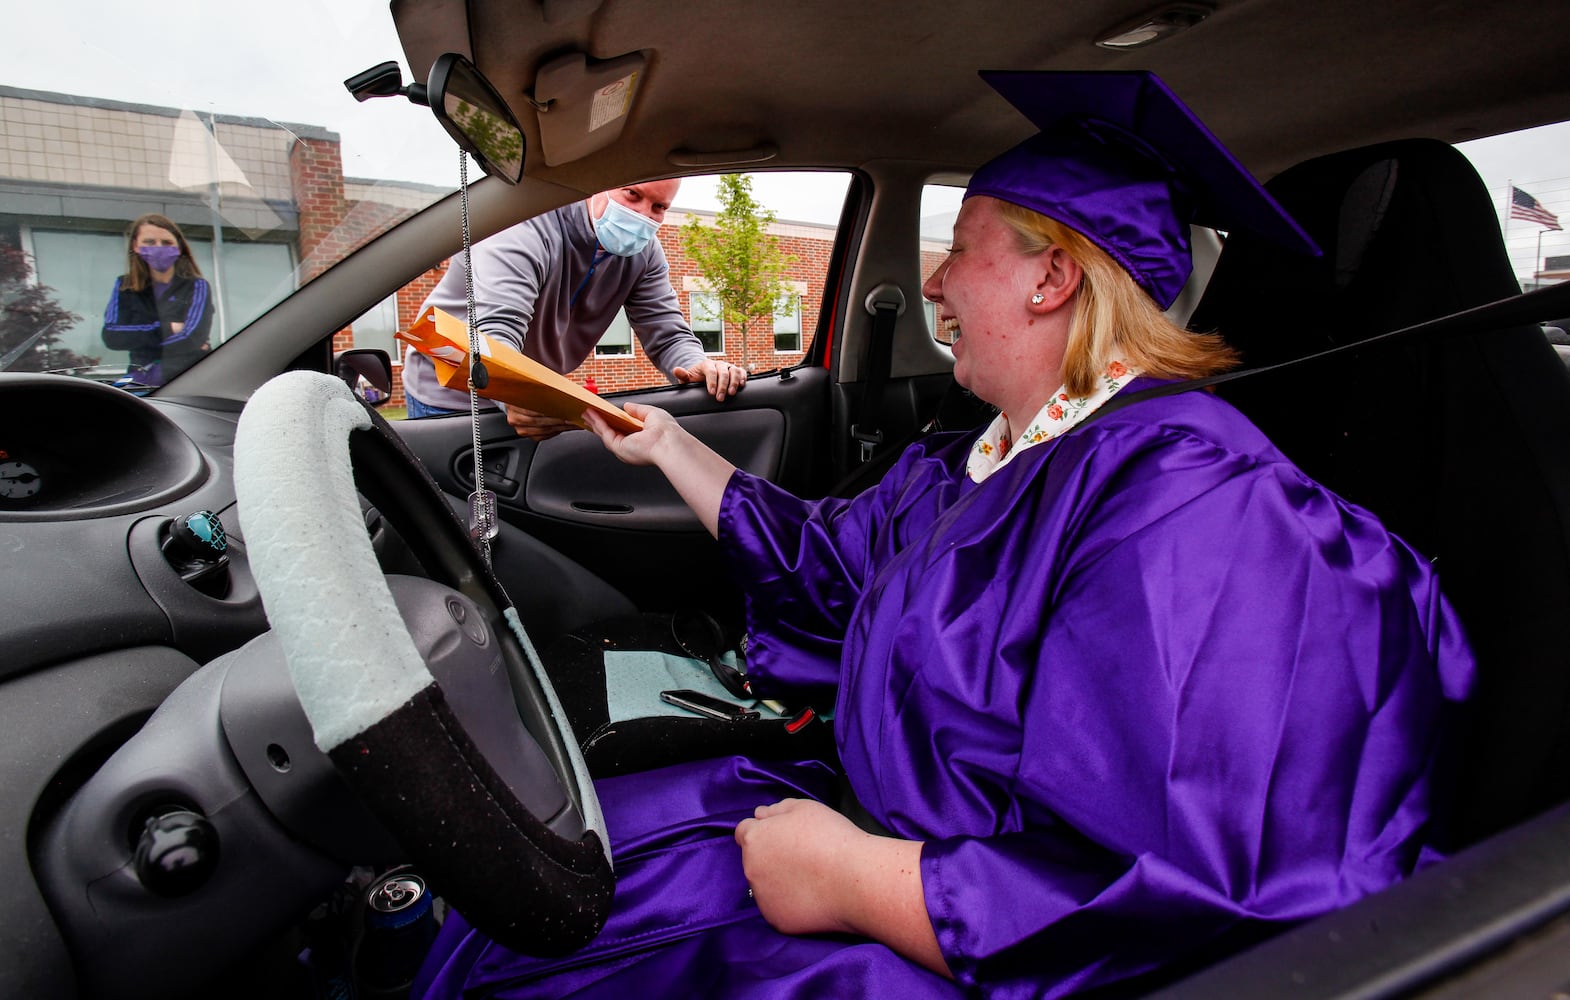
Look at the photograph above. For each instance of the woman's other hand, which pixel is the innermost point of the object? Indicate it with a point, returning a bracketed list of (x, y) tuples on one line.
[(798, 856), (812, 871)]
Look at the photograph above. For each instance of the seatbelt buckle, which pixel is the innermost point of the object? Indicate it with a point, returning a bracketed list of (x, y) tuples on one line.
[(802, 720), (868, 439)]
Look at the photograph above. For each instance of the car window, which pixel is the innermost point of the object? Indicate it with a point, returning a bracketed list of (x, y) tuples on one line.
[(1532, 202), (802, 210), (939, 206), (1528, 178)]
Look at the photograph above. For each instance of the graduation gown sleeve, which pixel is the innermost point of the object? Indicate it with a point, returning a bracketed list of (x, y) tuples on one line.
[(803, 564)]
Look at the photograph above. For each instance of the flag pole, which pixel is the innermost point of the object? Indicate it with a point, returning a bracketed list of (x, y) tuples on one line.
[(1504, 235), (215, 207), (1509, 200)]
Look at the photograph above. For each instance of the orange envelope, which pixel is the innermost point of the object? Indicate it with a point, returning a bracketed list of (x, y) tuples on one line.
[(514, 379)]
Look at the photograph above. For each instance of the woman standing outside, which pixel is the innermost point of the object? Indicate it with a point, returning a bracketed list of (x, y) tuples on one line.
[(161, 308)]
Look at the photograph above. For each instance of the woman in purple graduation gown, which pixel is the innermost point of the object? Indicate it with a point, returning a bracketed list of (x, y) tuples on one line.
[(1122, 693)]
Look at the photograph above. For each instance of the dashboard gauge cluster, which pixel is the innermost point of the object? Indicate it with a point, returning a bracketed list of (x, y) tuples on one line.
[(19, 480), (72, 448)]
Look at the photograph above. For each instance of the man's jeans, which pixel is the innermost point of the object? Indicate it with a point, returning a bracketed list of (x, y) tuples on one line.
[(416, 409)]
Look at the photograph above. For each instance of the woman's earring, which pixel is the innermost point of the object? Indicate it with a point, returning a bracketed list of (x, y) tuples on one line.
[(1037, 299)]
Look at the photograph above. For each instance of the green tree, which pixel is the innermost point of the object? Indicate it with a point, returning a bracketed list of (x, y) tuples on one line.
[(742, 262), (31, 321), (491, 134)]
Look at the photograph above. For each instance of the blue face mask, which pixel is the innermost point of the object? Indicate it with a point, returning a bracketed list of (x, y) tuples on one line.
[(159, 258), (622, 231)]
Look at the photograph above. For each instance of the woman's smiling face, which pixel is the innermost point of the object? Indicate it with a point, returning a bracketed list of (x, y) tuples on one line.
[(983, 291)]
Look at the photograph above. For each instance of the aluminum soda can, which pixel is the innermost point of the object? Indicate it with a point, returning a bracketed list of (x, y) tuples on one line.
[(399, 928)]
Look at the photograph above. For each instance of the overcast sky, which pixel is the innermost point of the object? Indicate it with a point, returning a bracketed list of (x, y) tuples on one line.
[(284, 62)]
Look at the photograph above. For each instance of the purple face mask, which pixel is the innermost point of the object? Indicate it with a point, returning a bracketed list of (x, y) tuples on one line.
[(159, 258)]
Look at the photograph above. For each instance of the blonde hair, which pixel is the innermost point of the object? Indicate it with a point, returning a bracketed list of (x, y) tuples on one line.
[(1115, 318)]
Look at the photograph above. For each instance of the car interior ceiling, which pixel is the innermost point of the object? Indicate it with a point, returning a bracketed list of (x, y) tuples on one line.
[(925, 109)]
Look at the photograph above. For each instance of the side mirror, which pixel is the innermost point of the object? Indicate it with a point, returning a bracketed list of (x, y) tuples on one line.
[(475, 115), (367, 371)]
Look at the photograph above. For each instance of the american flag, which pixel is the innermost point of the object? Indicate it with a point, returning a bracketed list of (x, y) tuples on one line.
[(1524, 206)]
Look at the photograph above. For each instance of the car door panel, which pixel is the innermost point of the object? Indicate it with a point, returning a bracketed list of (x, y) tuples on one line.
[(574, 478), (627, 524)]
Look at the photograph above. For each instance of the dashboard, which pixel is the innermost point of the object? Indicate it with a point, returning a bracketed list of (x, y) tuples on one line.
[(92, 482), (77, 448), (103, 616)]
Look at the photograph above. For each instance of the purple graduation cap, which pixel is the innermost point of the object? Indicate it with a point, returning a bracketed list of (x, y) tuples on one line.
[(1122, 161)]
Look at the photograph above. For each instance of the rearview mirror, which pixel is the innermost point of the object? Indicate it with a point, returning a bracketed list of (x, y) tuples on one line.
[(475, 115)]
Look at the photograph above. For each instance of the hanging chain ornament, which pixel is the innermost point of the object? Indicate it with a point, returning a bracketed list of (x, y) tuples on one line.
[(482, 502)]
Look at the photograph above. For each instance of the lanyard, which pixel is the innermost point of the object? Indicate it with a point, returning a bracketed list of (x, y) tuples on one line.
[(599, 255)]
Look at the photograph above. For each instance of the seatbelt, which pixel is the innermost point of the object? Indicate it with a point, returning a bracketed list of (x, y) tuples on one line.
[(1535, 306), (885, 304)]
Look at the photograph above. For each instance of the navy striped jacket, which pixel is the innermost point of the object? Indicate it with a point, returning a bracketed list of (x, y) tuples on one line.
[(141, 324)]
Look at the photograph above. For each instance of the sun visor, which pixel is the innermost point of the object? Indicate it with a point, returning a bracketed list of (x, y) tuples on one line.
[(582, 104)]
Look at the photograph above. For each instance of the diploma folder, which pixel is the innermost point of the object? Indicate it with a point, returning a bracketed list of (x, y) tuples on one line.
[(513, 378)]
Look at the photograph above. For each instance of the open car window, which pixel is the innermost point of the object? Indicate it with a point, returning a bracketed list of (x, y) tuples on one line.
[(790, 219), (1527, 176)]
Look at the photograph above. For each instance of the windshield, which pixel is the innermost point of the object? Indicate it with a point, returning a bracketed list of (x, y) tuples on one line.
[(228, 132)]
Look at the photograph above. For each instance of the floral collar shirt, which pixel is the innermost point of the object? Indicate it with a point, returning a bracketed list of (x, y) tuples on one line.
[(995, 449)]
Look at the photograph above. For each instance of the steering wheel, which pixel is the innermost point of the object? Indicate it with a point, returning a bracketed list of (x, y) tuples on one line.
[(475, 772)]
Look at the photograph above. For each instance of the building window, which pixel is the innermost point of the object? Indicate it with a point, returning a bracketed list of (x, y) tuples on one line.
[(787, 323), (378, 326), (929, 309), (939, 208), (617, 341), (81, 268), (708, 321)]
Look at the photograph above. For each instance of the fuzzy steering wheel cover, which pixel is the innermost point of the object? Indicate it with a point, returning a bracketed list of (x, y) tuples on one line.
[(373, 705)]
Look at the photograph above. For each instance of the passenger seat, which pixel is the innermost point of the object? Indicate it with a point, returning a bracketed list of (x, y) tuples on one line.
[(1458, 443)]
